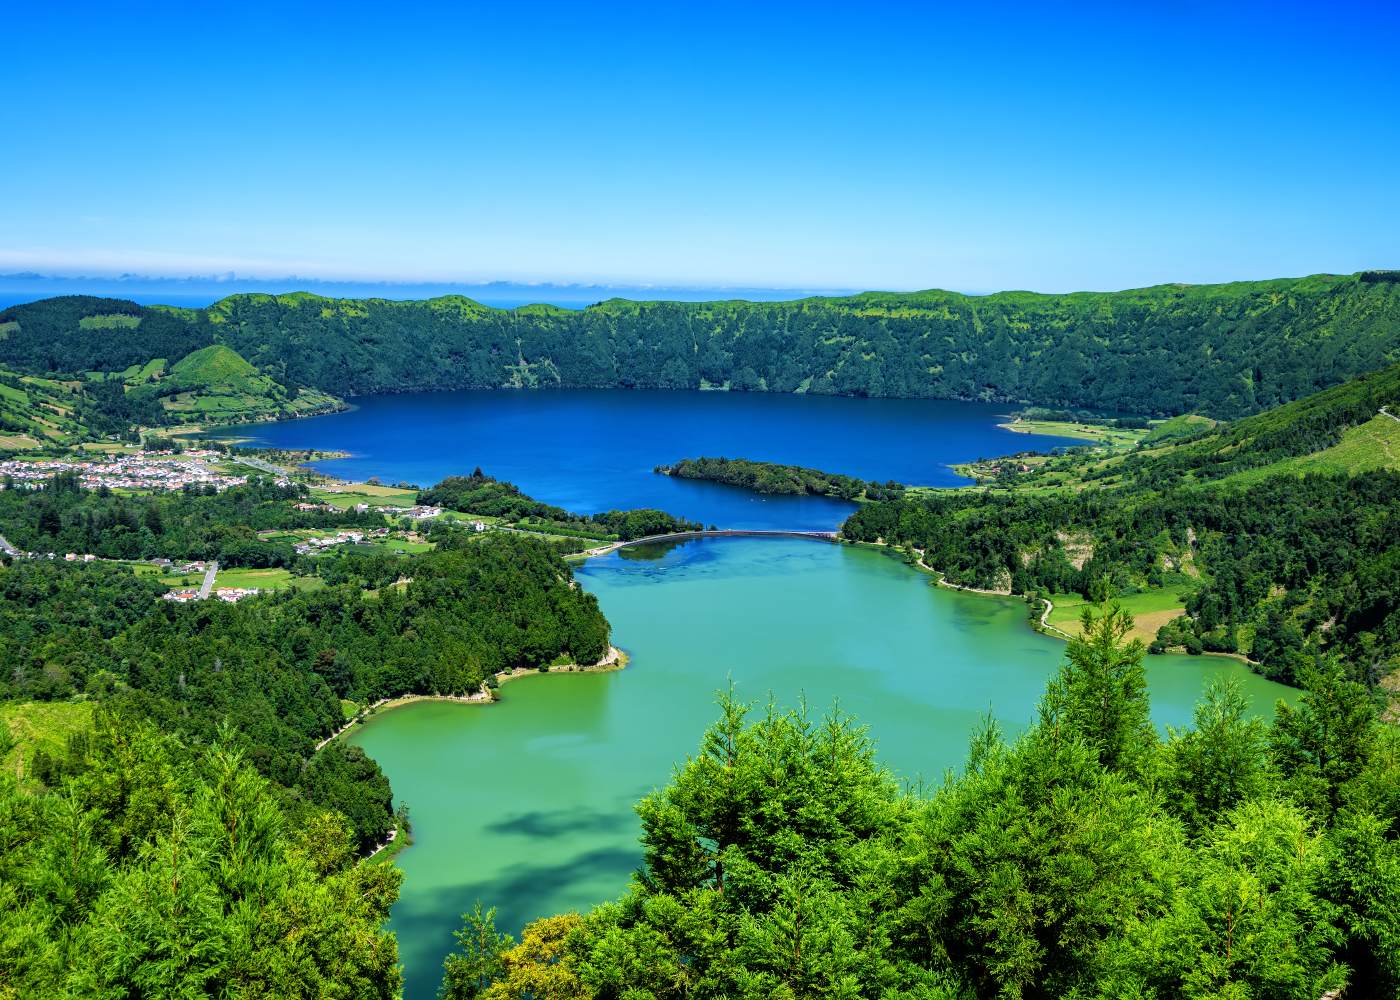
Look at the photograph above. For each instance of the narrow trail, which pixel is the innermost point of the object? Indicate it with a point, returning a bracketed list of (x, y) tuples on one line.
[(1045, 619), (1387, 413)]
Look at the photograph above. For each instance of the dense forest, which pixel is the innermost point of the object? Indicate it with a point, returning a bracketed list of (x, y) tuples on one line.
[(150, 868), (776, 478), (1222, 350), (1087, 858), (1280, 559), (266, 676), (195, 523)]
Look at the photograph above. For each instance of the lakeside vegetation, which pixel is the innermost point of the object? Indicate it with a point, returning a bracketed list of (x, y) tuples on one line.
[(1087, 858), (483, 495), (1220, 350), (1279, 533), (269, 674), (776, 478)]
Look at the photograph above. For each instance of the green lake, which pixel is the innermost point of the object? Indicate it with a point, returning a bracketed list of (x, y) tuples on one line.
[(527, 804)]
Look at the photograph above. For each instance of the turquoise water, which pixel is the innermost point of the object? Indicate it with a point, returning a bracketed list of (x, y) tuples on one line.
[(527, 804), (589, 451)]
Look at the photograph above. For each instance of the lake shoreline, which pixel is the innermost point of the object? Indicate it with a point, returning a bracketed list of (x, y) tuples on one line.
[(1040, 625), (615, 659)]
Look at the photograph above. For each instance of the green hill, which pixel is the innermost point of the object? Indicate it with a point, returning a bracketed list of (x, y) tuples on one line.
[(1342, 429), (216, 365), (1220, 350), (214, 384), (1276, 536), (37, 412), (211, 385)]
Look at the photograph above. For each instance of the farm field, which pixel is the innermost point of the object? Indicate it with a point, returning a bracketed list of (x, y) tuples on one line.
[(1150, 610)]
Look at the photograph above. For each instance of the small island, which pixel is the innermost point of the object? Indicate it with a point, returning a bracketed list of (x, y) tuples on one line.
[(776, 478)]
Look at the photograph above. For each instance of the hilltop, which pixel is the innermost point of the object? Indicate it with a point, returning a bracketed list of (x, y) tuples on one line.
[(90, 367), (1349, 428), (215, 384), (1223, 351)]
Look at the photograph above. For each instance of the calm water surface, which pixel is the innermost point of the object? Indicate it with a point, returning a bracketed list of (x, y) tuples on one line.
[(589, 451), (527, 804)]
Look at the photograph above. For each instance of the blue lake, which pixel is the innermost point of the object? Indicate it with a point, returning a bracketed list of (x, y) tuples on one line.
[(594, 450)]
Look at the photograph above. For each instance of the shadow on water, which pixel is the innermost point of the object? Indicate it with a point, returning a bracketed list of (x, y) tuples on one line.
[(520, 893), (653, 551), (547, 824)]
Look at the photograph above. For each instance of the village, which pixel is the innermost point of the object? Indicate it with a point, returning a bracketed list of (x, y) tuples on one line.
[(168, 470), (143, 470)]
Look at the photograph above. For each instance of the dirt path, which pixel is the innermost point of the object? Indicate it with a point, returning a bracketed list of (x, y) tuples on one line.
[(1045, 620)]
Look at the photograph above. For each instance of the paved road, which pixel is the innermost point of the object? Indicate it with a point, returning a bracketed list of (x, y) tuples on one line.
[(258, 463), (7, 548), (1392, 416), (207, 587)]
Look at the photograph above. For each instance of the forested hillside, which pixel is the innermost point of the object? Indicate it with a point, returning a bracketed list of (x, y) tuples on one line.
[(1222, 350), (267, 675), (152, 869), (1280, 532), (1088, 858)]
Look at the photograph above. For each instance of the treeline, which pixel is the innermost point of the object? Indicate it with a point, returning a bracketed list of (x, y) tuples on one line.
[(267, 675), (489, 497), (1223, 350), (776, 478), (1082, 417), (1296, 429), (484, 496), (196, 523), (1088, 858), (153, 869)]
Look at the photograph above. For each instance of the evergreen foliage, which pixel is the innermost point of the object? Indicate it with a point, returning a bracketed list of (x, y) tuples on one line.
[(1085, 859), (155, 870), (482, 495)]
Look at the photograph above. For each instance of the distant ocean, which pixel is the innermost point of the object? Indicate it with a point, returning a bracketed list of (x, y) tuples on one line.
[(199, 301), (199, 292)]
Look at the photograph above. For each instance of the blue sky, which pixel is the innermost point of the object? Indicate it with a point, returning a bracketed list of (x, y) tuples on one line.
[(1046, 146)]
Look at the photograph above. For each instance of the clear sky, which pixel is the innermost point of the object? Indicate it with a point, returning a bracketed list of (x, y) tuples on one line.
[(1050, 146)]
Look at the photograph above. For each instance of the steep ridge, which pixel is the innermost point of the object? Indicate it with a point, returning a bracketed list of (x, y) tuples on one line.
[(1223, 350)]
